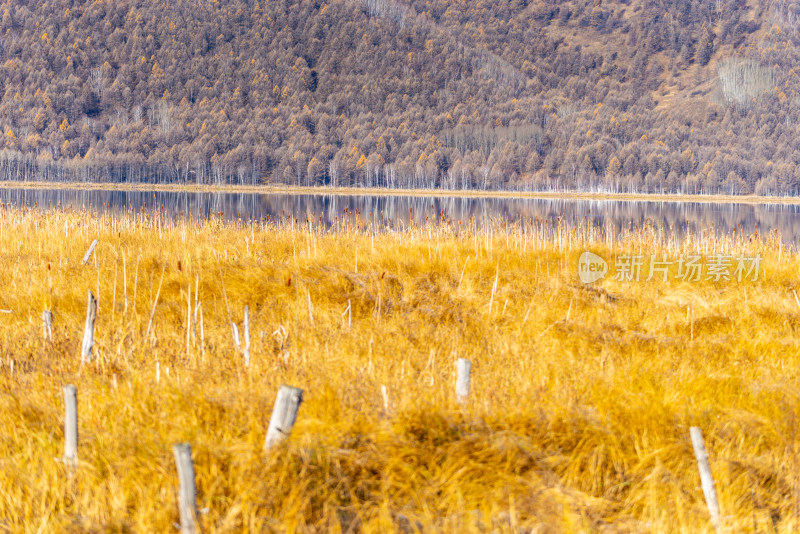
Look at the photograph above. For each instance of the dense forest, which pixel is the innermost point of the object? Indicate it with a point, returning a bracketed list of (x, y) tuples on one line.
[(626, 95)]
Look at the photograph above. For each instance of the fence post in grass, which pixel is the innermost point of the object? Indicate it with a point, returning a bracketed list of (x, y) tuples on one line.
[(463, 368), (187, 502), (70, 425), (284, 414), (385, 395), (706, 479), (89, 252), (88, 331), (47, 325), (246, 336)]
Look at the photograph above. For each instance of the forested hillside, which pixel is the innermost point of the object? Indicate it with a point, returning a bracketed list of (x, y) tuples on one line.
[(636, 95)]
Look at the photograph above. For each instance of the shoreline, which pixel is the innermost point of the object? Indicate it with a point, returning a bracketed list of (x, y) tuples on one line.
[(382, 191)]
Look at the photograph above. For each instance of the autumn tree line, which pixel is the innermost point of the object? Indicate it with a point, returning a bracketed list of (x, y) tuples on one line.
[(628, 95)]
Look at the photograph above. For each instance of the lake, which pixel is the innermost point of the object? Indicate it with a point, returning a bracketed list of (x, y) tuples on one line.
[(694, 216)]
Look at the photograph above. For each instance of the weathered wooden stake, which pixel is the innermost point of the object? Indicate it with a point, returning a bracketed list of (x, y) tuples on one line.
[(706, 479), (188, 491), (70, 425), (89, 252), (88, 330), (463, 368), (47, 325), (284, 414), (246, 336), (385, 395)]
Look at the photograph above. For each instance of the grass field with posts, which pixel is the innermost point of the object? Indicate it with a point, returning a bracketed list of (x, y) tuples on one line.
[(578, 417)]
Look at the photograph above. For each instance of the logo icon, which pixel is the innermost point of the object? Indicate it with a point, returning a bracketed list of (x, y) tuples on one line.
[(591, 267)]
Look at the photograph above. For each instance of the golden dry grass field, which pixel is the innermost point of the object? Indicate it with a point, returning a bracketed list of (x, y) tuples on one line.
[(578, 418)]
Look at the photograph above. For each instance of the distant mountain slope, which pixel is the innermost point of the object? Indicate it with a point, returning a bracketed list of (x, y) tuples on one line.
[(647, 95)]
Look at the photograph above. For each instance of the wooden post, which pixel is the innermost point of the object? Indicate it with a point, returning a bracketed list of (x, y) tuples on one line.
[(284, 414), (385, 395), (89, 252), (70, 425), (47, 325), (247, 336), (188, 491), (88, 331), (463, 369), (706, 479)]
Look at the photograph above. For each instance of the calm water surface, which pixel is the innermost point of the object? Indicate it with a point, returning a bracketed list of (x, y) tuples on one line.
[(694, 216)]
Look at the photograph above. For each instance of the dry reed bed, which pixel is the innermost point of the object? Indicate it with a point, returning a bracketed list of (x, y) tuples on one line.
[(581, 402)]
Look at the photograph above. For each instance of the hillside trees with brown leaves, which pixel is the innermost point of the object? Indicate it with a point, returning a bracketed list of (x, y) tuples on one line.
[(636, 95)]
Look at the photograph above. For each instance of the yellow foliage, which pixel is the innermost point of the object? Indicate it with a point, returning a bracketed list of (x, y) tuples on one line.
[(33, 139), (157, 71)]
